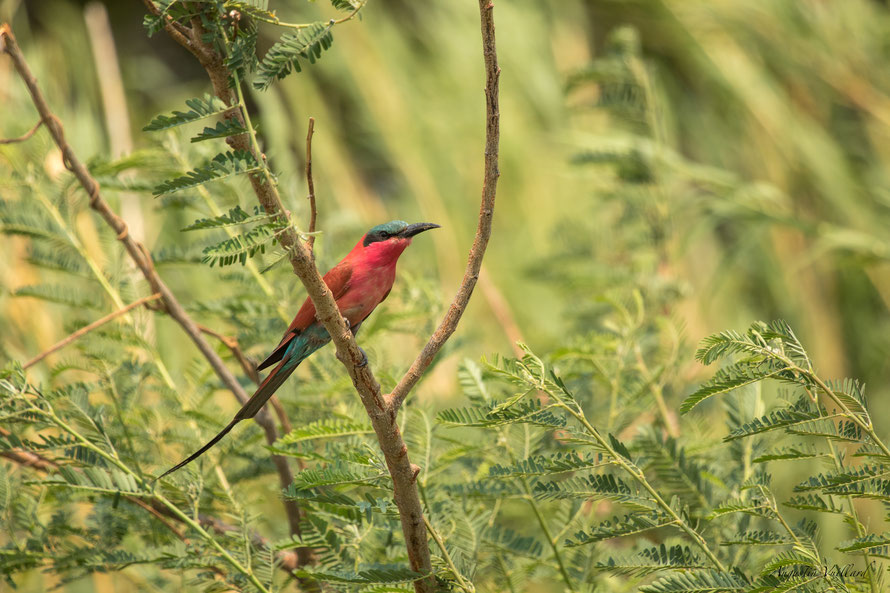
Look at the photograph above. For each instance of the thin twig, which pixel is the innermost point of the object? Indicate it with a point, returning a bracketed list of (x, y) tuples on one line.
[(87, 329), (486, 213), (142, 258), (24, 136), (331, 23), (313, 213)]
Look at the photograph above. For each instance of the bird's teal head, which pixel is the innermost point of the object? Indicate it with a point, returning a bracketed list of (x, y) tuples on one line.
[(386, 242), (396, 230)]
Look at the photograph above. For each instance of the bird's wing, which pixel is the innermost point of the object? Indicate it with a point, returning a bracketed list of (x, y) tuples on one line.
[(337, 280)]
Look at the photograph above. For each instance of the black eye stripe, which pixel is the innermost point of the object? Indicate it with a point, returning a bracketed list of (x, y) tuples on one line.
[(377, 236)]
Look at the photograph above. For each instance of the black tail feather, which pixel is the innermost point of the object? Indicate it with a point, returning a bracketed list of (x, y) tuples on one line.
[(248, 410), (203, 449)]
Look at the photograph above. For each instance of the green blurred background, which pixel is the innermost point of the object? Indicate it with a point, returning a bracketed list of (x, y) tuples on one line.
[(725, 159)]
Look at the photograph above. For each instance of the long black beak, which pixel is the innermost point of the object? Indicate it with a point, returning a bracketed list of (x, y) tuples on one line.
[(417, 228)]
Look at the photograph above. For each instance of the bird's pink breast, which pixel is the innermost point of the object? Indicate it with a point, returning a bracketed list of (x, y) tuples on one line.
[(367, 288)]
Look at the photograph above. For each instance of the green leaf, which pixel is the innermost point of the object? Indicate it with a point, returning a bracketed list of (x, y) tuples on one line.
[(335, 475), (599, 486), (858, 544), (852, 393), (795, 557), (677, 471), (239, 248), (800, 413), (285, 55), (798, 451), (850, 475), (630, 524), (814, 502), (95, 479), (373, 575), (541, 465), (494, 414), (469, 375), (343, 5), (235, 216), (60, 293), (222, 129), (758, 538), (513, 543), (874, 489), (710, 581), (323, 429), (207, 106), (652, 559), (758, 507), (844, 430), (241, 55), (221, 166), (486, 489), (733, 377)]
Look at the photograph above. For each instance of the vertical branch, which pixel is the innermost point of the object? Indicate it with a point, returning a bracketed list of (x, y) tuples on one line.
[(313, 213), (486, 214)]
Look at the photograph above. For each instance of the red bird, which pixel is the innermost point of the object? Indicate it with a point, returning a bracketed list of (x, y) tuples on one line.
[(360, 282)]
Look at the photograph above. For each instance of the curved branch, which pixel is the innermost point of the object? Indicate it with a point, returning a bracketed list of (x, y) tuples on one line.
[(486, 213), (24, 136)]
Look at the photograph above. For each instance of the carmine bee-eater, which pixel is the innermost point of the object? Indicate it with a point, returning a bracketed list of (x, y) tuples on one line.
[(360, 282)]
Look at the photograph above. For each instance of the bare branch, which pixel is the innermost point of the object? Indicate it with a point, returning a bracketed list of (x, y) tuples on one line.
[(24, 136), (486, 213), (142, 258), (313, 213), (87, 329)]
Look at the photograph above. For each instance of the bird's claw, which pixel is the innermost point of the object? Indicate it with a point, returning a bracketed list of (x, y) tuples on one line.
[(364, 361)]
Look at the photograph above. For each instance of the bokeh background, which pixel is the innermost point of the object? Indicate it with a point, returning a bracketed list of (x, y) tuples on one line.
[(715, 162)]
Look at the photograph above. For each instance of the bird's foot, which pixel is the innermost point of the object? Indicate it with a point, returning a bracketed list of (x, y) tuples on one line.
[(364, 361)]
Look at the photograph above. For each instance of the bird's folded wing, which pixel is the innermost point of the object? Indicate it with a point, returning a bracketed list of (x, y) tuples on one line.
[(337, 280)]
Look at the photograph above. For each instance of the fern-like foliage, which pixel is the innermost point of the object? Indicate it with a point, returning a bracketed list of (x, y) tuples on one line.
[(652, 559), (199, 108), (221, 166), (222, 129), (240, 248), (323, 429), (631, 524), (288, 52), (598, 487), (373, 575), (709, 581), (235, 216), (546, 465)]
